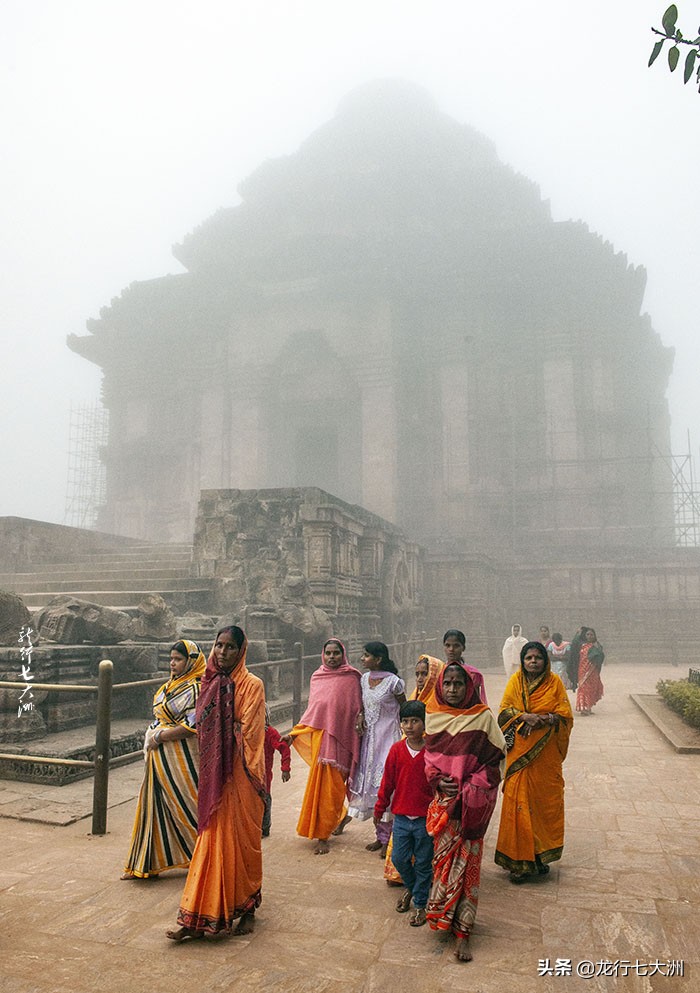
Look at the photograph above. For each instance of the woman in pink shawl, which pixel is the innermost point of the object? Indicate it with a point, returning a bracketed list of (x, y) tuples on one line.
[(327, 740), (464, 754)]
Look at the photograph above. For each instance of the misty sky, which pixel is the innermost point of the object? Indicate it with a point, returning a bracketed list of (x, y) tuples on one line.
[(126, 125)]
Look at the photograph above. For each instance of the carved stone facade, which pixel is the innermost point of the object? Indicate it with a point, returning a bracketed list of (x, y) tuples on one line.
[(392, 315), (299, 564)]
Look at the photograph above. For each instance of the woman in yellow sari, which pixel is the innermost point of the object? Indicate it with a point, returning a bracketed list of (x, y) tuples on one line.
[(536, 719), (225, 876), (165, 825)]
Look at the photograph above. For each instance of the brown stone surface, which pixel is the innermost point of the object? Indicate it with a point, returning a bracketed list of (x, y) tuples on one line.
[(14, 615), (155, 621), (71, 621), (626, 889)]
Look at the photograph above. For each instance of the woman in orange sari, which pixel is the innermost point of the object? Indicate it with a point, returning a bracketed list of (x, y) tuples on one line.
[(225, 875), (328, 741), (537, 720)]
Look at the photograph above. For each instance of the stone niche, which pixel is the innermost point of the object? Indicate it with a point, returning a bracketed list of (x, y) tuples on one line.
[(299, 564)]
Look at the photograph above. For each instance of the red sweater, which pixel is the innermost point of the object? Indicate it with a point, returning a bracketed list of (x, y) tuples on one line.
[(404, 778), (274, 742)]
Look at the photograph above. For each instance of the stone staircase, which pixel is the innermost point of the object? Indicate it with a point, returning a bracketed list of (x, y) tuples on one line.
[(117, 579)]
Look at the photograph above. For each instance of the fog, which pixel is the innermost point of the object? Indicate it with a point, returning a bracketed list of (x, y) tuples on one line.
[(126, 126)]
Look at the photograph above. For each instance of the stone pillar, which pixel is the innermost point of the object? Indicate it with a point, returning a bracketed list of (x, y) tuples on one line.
[(379, 448)]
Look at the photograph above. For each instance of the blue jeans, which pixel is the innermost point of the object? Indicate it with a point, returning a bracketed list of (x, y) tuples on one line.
[(412, 855)]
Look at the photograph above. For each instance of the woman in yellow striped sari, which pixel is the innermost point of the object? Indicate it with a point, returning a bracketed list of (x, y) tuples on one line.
[(165, 826), (536, 719)]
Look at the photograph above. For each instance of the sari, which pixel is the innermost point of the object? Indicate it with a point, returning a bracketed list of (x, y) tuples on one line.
[(467, 744), (427, 696), (165, 826), (225, 877), (327, 741), (531, 832), (590, 685)]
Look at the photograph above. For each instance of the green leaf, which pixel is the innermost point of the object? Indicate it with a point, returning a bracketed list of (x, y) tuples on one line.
[(655, 52), (689, 64), (668, 21), (673, 56)]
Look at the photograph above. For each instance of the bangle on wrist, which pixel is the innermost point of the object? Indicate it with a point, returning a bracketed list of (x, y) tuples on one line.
[(156, 736)]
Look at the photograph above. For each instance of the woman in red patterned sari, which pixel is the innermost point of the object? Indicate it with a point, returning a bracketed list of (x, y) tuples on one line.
[(590, 686), (464, 755)]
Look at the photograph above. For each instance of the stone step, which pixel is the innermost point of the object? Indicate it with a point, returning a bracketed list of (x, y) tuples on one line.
[(69, 570), (13, 580), (87, 585), (182, 598)]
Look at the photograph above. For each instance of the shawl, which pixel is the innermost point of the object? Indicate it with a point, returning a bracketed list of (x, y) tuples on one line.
[(427, 694), (174, 702), (467, 744), (335, 700), (221, 732), (543, 695)]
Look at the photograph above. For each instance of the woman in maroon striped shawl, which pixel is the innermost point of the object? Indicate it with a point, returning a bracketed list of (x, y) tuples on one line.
[(464, 756)]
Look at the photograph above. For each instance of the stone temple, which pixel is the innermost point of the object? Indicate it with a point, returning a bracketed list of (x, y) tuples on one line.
[(391, 314)]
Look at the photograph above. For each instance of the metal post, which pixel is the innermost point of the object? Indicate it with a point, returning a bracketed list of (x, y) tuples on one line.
[(102, 743), (298, 688)]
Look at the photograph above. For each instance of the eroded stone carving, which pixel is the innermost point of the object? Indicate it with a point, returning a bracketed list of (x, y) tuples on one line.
[(71, 621)]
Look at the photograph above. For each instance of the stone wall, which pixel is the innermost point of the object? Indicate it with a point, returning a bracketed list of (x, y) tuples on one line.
[(77, 665), (25, 543), (643, 605), (296, 564)]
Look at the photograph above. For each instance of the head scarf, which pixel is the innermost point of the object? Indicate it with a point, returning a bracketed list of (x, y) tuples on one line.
[(545, 694), (427, 694), (466, 744), (194, 668), (335, 699), (217, 735), (174, 703)]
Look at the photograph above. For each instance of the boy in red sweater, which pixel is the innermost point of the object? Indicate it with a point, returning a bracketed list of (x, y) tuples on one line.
[(405, 787), (273, 742)]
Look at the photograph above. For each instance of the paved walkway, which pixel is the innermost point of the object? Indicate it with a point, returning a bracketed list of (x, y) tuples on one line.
[(627, 889)]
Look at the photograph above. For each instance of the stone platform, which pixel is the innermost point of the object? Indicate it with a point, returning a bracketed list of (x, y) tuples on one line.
[(626, 890)]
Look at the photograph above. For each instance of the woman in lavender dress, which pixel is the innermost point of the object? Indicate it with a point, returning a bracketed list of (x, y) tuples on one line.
[(383, 692)]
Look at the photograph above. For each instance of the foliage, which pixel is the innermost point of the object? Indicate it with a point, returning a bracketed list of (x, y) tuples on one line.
[(683, 697), (669, 32)]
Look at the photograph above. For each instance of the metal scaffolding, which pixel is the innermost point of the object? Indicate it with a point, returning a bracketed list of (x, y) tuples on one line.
[(86, 484)]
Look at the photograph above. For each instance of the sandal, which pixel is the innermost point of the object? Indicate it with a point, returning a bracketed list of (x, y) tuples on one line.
[(418, 917), (403, 903)]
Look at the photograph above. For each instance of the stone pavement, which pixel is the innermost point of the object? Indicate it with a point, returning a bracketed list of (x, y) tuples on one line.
[(627, 889)]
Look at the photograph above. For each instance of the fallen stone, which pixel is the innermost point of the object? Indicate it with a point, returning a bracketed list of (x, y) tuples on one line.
[(71, 621), (14, 615), (155, 621)]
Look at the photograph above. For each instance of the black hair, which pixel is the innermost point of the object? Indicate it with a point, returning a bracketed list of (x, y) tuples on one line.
[(379, 650), (412, 708), (238, 634), (534, 644), (455, 633), (181, 648)]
